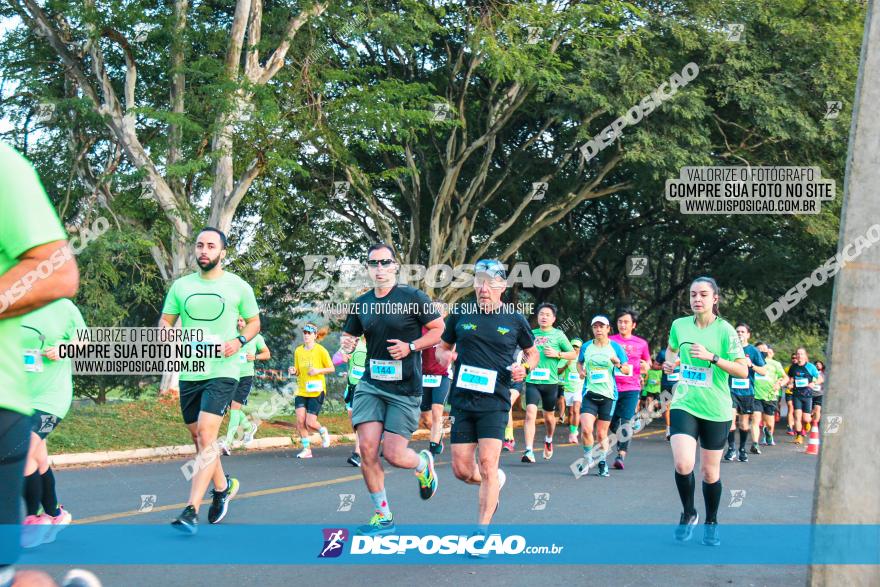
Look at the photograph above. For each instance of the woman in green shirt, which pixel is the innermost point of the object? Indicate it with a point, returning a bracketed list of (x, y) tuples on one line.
[(710, 351)]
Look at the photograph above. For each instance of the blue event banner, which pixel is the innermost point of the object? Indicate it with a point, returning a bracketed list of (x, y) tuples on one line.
[(130, 544)]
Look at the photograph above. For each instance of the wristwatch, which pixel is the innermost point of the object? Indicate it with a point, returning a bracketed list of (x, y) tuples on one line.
[(412, 347), (241, 339), (715, 359)]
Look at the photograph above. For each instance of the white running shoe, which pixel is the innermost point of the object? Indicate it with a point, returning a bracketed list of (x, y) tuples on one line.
[(249, 435), (325, 438), (305, 453), (58, 523), (224, 448), (502, 479), (80, 578), (35, 530), (573, 438)]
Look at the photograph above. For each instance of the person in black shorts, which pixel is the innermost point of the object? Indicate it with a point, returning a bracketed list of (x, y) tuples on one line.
[(30, 234), (211, 300), (710, 352), (482, 340), (818, 394), (386, 400), (803, 378)]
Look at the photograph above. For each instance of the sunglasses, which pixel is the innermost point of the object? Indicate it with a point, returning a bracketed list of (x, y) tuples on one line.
[(309, 332), (378, 262)]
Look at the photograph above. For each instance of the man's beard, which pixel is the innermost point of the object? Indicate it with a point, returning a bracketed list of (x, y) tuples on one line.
[(209, 264)]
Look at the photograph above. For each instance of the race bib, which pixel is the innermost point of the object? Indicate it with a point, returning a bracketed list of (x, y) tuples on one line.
[(357, 372), (674, 376), (33, 361), (386, 370), (599, 377), (540, 375), (738, 383), (801, 382), (476, 379), (696, 376), (574, 377), (316, 385), (759, 377), (242, 358), (431, 380)]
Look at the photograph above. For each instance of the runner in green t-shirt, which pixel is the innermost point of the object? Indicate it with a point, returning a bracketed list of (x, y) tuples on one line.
[(36, 267), (701, 406), (573, 386), (355, 364), (254, 350), (599, 361), (212, 300), (542, 384), (50, 383), (651, 386), (767, 391)]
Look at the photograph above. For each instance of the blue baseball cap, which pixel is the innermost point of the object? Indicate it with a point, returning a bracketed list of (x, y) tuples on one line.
[(310, 328)]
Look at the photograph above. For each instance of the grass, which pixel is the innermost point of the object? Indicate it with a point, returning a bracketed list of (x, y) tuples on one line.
[(149, 422)]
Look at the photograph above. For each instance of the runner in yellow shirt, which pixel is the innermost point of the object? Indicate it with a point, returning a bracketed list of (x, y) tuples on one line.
[(311, 362)]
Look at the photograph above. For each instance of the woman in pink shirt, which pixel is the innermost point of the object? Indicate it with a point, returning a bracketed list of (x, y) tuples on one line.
[(629, 387)]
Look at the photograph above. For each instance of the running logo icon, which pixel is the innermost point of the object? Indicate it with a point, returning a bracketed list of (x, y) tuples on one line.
[(737, 496), (334, 539), (147, 503), (346, 500), (541, 500), (502, 331), (340, 189), (637, 266), (539, 190), (534, 36), (832, 424), (734, 32), (832, 109), (47, 423)]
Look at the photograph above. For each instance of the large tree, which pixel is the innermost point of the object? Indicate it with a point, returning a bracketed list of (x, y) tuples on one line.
[(179, 98)]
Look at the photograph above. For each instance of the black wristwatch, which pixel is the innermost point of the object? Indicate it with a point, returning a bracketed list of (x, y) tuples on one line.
[(715, 359), (241, 339), (412, 347)]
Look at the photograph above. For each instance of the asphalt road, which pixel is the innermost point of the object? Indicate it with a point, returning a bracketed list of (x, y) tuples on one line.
[(277, 488)]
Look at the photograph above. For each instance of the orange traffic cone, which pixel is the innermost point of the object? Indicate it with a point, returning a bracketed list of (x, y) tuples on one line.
[(813, 443)]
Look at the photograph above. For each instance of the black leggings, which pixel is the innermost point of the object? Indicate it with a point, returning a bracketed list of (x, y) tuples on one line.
[(15, 436)]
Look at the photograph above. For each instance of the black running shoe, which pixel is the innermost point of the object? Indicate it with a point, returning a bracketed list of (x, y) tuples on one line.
[(603, 469), (354, 460), (686, 525), (730, 454), (436, 448), (755, 450), (220, 501), (710, 534), (743, 457), (187, 521)]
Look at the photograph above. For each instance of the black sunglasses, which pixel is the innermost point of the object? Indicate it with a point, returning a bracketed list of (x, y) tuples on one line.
[(382, 262)]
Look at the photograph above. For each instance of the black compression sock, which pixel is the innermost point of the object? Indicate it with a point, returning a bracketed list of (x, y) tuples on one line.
[(712, 498), (731, 438), (686, 487), (33, 491), (50, 500), (743, 437)]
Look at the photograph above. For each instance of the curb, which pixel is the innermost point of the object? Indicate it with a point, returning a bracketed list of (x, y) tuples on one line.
[(160, 452)]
